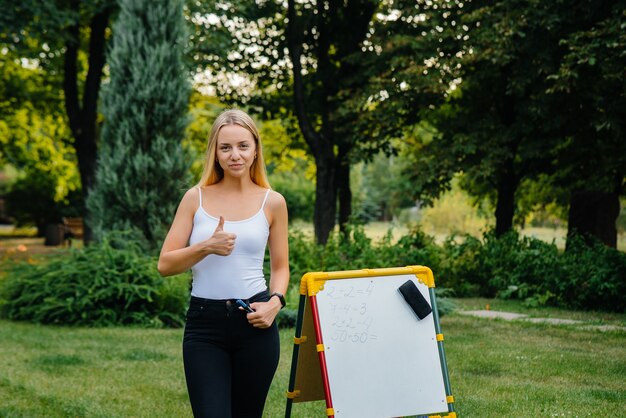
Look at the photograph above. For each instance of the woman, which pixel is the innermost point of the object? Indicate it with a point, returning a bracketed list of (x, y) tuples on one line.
[(220, 231)]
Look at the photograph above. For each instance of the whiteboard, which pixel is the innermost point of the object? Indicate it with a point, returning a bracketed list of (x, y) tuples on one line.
[(382, 361)]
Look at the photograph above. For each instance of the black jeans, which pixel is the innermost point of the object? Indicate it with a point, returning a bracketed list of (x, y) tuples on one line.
[(229, 364)]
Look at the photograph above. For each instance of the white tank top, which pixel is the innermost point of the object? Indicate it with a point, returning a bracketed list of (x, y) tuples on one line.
[(240, 274)]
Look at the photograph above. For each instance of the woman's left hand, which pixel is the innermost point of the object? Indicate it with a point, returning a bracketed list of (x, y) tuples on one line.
[(265, 313)]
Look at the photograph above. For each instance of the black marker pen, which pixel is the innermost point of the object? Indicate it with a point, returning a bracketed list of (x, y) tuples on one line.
[(244, 305)]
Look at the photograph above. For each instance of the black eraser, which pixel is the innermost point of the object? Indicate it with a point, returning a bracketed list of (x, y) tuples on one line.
[(415, 299)]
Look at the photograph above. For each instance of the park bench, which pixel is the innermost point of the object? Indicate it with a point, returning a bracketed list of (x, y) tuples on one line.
[(73, 228)]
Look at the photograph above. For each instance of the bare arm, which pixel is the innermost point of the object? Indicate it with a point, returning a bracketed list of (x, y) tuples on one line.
[(279, 261), (176, 255)]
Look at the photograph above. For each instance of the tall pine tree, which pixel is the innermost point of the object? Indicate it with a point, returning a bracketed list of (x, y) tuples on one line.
[(142, 171)]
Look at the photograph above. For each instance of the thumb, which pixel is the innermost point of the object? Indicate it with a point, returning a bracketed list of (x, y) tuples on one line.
[(220, 225)]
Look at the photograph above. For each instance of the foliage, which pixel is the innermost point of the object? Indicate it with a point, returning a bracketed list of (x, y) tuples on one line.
[(202, 112), (34, 139), (515, 267), (590, 98), (584, 277), (351, 63), (286, 318), (31, 200), (352, 249), (455, 211), (593, 277), (284, 149), (291, 171), (379, 189), (541, 98), (142, 170), (109, 283), (297, 191), (65, 41)]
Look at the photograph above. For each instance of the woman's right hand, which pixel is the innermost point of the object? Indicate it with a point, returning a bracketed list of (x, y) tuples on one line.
[(221, 242)]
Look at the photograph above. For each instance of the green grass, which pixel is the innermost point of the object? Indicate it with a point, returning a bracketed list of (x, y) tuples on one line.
[(497, 368)]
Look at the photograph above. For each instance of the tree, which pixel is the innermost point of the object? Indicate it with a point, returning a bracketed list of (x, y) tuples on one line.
[(142, 170), (509, 122), (326, 84), (250, 40), (590, 92), (35, 140), (493, 128), (52, 34)]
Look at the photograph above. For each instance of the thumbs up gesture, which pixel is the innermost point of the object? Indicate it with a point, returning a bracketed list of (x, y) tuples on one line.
[(221, 242)]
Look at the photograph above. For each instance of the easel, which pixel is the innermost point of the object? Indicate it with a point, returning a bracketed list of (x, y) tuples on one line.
[(357, 318)]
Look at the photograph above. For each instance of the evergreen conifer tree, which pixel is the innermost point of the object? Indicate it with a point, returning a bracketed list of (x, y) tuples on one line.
[(142, 171)]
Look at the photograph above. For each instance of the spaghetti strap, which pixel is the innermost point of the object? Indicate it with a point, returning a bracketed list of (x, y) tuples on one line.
[(200, 196), (265, 198)]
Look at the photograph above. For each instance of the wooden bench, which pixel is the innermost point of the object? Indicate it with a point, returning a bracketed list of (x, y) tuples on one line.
[(74, 228)]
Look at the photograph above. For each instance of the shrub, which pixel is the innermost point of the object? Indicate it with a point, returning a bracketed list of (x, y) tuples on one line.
[(584, 277), (460, 265), (417, 248), (103, 284), (352, 249), (298, 192), (286, 318), (593, 277)]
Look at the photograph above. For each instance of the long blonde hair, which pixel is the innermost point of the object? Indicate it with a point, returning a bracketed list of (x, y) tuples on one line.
[(212, 172)]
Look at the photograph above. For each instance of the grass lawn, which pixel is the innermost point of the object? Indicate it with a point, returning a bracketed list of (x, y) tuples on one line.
[(497, 368)]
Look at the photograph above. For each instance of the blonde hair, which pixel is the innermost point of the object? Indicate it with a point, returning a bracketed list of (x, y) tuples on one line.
[(212, 172)]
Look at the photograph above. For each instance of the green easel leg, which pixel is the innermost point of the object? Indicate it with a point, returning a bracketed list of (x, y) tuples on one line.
[(442, 353), (294, 357)]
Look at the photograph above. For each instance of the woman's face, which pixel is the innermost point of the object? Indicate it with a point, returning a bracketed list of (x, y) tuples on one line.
[(236, 150)]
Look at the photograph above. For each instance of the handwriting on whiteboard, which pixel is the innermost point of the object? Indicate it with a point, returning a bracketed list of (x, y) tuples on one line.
[(351, 319)]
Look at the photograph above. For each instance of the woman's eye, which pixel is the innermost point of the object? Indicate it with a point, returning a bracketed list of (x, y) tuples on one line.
[(244, 146)]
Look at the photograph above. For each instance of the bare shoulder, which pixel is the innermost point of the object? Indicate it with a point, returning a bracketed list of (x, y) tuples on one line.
[(276, 200), (190, 199), (277, 207)]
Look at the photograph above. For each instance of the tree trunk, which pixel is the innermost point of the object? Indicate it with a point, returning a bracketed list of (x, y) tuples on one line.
[(342, 181), (341, 28), (325, 200), (593, 214), (505, 207), (82, 119), (320, 143)]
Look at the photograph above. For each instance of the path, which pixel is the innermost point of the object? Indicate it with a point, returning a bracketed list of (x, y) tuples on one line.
[(510, 316)]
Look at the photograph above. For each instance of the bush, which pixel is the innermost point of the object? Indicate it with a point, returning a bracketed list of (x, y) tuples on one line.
[(298, 192), (593, 277), (459, 265), (352, 249), (286, 318), (109, 283), (584, 277)]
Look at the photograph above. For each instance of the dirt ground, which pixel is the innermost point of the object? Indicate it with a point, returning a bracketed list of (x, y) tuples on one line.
[(23, 248)]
